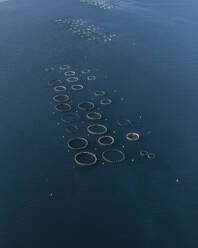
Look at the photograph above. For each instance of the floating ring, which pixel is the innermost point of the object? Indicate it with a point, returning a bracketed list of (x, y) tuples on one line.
[(99, 93), (70, 117), (64, 67), (132, 136), (104, 156), (63, 107), (54, 83), (61, 98), (94, 116), (69, 73), (144, 153), (83, 143), (86, 71), (105, 101), (77, 87), (86, 156), (86, 106), (124, 123), (151, 155), (91, 78), (106, 140), (101, 129), (72, 79), (59, 88)]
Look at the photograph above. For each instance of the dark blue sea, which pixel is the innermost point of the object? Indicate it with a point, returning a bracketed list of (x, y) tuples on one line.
[(150, 72)]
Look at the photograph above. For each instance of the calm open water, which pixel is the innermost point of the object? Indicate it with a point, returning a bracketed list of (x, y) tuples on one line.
[(153, 65)]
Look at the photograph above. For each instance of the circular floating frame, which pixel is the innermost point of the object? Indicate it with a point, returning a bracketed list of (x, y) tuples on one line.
[(59, 88), (97, 133), (69, 73), (77, 87), (63, 107), (112, 140), (65, 98), (77, 139), (91, 106), (99, 93), (72, 79), (113, 161), (132, 136), (76, 159), (98, 116)]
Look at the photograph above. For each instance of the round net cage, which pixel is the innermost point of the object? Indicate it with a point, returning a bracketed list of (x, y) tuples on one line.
[(97, 129), (77, 143), (85, 158), (106, 140), (94, 116), (60, 88), (61, 98), (113, 156), (86, 106), (132, 136), (63, 107)]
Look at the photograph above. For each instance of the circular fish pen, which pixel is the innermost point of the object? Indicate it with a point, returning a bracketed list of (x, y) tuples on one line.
[(59, 88), (97, 129), (61, 98), (91, 78), (106, 140), (93, 116), (63, 107), (77, 143), (69, 73), (106, 101), (77, 87), (86, 106), (85, 159), (132, 136), (99, 93), (72, 79), (113, 156)]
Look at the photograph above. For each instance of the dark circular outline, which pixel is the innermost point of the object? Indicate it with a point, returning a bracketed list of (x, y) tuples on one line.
[(106, 136), (111, 161), (77, 138), (98, 133), (85, 164)]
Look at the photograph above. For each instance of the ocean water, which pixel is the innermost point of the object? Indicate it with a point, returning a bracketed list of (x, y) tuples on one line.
[(150, 71)]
